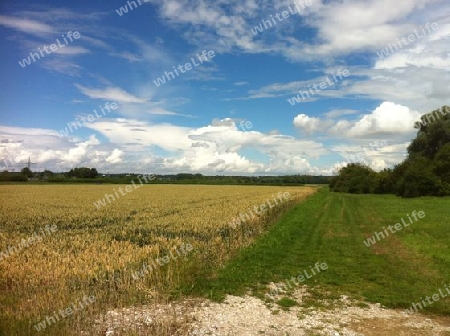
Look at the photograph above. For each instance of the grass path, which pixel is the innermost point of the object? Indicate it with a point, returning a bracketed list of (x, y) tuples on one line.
[(330, 227)]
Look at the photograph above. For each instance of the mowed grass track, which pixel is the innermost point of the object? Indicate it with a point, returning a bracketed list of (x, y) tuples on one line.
[(331, 227)]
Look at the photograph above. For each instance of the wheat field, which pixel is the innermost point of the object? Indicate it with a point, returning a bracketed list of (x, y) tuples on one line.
[(95, 252)]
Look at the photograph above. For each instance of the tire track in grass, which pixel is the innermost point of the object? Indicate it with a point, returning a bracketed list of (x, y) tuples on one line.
[(354, 268), (388, 272), (279, 253)]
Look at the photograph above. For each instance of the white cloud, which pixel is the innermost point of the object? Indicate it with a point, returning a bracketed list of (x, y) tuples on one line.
[(77, 154), (227, 25), (133, 146), (307, 124), (377, 154), (62, 66), (390, 124), (220, 147), (412, 77), (128, 56), (110, 93), (340, 113), (71, 50), (388, 118), (161, 111), (115, 157), (25, 26)]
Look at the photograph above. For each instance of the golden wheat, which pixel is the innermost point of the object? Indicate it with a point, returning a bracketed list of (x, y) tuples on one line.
[(95, 251)]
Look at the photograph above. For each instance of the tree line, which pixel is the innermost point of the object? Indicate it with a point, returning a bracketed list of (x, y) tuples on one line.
[(91, 175)]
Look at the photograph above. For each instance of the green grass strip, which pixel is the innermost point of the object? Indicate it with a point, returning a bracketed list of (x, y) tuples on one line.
[(331, 227)]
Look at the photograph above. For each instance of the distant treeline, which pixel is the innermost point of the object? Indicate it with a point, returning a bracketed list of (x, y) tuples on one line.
[(13, 177), (235, 180), (425, 172), (81, 175)]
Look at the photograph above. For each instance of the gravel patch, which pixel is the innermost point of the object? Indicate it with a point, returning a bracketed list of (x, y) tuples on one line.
[(248, 316)]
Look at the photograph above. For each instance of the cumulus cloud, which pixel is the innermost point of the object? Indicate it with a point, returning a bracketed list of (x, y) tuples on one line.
[(115, 157), (388, 118), (358, 138), (307, 124), (377, 154), (132, 145), (78, 153)]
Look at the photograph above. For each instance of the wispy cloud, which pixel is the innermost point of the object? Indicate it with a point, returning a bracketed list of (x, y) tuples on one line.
[(72, 50), (161, 111), (128, 56), (26, 26), (62, 66), (110, 93)]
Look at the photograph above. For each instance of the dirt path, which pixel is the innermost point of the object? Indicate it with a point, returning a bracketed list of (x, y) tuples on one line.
[(248, 316)]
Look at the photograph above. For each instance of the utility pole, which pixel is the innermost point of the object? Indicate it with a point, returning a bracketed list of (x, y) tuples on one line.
[(30, 163)]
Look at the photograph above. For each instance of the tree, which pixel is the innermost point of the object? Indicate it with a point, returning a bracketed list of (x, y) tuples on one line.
[(432, 136), (442, 168), (426, 170), (83, 172), (419, 179), (46, 174), (355, 178), (385, 183), (27, 172)]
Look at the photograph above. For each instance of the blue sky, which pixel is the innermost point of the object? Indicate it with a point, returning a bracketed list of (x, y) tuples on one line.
[(232, 113)]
